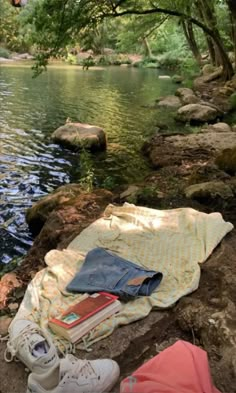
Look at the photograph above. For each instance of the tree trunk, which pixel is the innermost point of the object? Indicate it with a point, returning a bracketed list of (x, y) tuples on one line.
[(221, 56), (209, 41), (189, 34), (148, 51), (226, 63), (208, 12), (232, 10), (211, 49)]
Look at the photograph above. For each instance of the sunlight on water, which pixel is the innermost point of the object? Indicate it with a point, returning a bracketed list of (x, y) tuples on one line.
[(31, 109)]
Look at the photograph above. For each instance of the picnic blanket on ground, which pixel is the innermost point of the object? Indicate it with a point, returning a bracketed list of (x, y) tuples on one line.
[(173, 242)]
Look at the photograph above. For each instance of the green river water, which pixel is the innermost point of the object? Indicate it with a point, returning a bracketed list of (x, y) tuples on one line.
[(117, 99)]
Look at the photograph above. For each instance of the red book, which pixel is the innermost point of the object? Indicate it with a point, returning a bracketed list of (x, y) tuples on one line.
[(83, 310), (82, 317)]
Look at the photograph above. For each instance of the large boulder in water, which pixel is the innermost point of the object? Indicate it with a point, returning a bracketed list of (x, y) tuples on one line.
[(187, 96), (197, 113), (170, 102), (183, 91), (78, 135)]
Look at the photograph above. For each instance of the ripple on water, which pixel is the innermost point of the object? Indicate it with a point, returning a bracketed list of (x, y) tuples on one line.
[(31, 109)]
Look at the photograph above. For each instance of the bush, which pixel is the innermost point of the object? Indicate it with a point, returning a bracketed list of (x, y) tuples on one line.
[(5, 53), (114, 59), (138, 64), (71, 59), (147, 62), (151, 65), (117, 62), (104, 60), (89, 62), (169, 60)]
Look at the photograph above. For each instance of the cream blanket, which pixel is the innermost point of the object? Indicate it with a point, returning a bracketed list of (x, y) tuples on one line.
[(173, 242)]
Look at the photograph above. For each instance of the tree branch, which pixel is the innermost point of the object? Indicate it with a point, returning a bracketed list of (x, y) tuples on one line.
[(163, 11), (156, 27)]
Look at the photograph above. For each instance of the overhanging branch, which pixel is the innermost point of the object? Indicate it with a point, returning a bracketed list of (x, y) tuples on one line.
[(159, 10)]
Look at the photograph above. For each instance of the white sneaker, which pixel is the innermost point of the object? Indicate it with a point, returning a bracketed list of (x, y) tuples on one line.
[(76, 376), (30, 344)]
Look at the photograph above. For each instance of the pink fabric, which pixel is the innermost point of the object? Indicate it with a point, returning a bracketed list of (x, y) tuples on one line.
[(181, 368)]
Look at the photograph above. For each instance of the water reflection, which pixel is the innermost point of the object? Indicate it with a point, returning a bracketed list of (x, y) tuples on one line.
[(31, 109)]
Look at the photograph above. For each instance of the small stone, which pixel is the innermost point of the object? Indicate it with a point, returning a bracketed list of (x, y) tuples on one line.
[(4, 324), (212, 321), (160, 194), (220, 127), (215, 301), (131, 190), (170, 102), (13, 306)]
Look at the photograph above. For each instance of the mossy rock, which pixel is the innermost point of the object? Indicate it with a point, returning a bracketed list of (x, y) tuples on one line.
[(208, 69), (76, 136), (37, 215), (151, 65), (227, 160), (177, 79), (203, 192)]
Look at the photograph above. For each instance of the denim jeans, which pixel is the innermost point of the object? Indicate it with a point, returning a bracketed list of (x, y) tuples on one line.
[(104, 271)]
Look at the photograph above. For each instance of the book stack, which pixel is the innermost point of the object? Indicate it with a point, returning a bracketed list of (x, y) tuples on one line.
[(82, 317)]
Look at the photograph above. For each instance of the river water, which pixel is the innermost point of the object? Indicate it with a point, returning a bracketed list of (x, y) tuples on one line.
[(31, 166)]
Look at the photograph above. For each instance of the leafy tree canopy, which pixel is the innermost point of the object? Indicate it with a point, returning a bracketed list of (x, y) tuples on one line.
[(56, 24)]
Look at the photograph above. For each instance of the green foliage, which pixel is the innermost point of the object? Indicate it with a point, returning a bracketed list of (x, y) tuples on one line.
[(233, 101), (169, 60), (151, 65), (89, 62), (147, 62), (6, 268), (87, 171), (12, 34), (146, 27), (114, 59), (189, 67), (109, 183), (177, 79), (71, 59), (5, 53), (147, 196)]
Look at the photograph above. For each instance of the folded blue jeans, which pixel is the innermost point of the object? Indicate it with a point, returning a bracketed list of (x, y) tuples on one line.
[(105, 271)]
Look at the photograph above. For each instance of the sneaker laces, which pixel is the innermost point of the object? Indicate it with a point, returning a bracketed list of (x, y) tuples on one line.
[(14, 344), (82, 368)]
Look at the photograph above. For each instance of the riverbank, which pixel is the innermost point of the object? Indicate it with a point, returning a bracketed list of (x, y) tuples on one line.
[(207, 317)]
